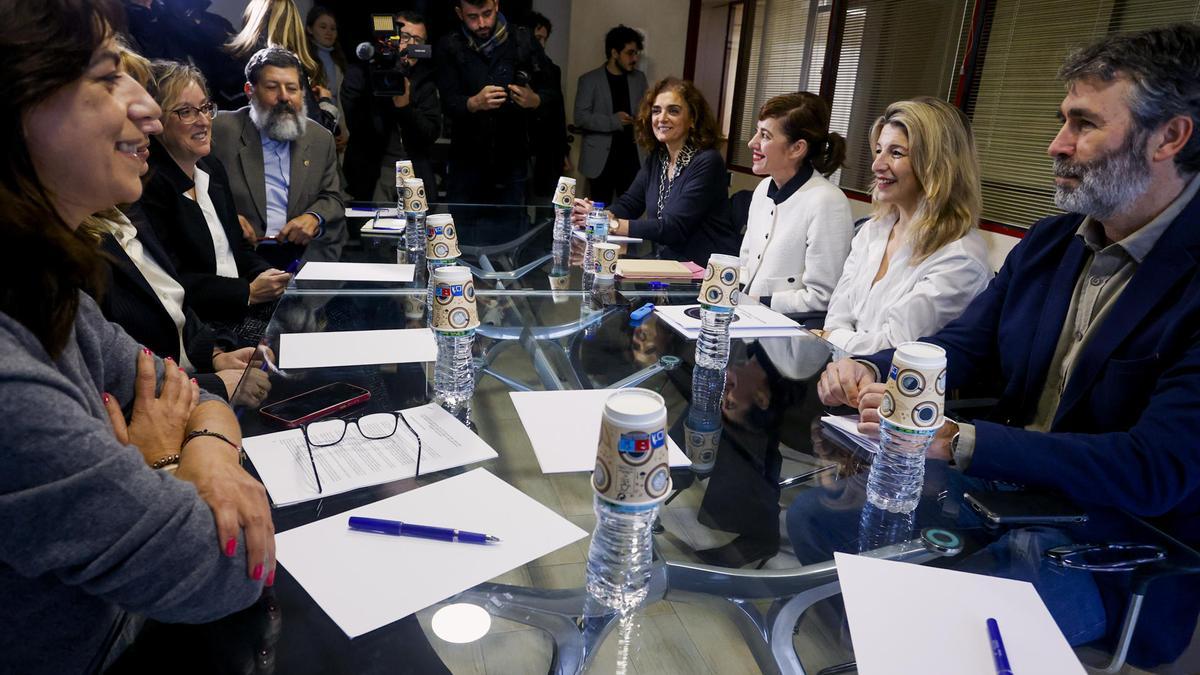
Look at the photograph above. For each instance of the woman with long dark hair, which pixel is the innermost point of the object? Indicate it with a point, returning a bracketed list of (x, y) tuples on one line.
[(91, 538), (678, 199)]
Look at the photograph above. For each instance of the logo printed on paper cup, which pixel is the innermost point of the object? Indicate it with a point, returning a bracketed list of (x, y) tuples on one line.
[(453, 299), (631, 456)]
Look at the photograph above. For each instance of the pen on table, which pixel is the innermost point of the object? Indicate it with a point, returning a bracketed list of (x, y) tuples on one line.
[(399, 529), (998, 653), (267, 364), (294, 267)]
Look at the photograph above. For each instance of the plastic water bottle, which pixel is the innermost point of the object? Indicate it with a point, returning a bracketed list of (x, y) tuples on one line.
[(562, 224), (454, 372), (712, 347), (631, 480), (718, 300), (414, 234), (453, 320), (620, 557), (702, 426), (910, 416), (878, 528), (596, 231)]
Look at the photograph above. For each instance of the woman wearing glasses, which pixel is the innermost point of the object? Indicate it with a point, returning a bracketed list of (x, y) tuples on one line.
[(92, 539), (190, 205)]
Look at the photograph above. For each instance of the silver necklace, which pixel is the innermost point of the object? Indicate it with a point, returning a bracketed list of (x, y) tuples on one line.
[(664, 184)]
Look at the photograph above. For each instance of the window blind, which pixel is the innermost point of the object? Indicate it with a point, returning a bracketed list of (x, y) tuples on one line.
[(891, 50), (1017, 93), (774, 66)]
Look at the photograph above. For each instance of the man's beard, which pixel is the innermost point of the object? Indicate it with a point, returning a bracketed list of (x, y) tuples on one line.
[(282, 122), (1107, 184)]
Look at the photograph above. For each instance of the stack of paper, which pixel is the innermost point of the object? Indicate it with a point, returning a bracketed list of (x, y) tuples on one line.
[(907, 618), (564, 427), (282, 460), (368, 212), (384, 225), (356, 348), (847, 427), (346, 271), (364, 580), (749, 321), (631, 268)]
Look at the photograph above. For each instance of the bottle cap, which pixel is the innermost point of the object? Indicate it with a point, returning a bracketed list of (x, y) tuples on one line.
[(597, 206)]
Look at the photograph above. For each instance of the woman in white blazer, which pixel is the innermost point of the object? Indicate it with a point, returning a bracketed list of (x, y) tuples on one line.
[(920, 260), (799, 228)]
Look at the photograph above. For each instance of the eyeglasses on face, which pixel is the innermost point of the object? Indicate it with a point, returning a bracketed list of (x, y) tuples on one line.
[(409, 38), (373, 426), (190, 113)]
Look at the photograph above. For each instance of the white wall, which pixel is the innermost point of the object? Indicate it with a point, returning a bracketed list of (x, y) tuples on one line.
[(559, 13)]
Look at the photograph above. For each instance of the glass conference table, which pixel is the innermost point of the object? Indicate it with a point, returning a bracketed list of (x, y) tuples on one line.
[(743, 578)]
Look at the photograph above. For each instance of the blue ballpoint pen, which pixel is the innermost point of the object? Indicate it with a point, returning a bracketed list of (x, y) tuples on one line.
[(998, 653), (399, 529)]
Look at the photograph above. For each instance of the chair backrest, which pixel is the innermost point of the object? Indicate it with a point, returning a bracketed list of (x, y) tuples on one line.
[(739, 205)]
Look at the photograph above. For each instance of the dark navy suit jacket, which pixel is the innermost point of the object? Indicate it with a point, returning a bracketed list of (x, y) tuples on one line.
[(1126, 430)]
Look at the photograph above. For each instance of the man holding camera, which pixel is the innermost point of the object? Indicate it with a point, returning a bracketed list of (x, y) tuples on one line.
[(399, 126), (492, 79)]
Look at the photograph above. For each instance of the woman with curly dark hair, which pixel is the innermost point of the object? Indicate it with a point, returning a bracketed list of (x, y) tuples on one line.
[(679, 198)]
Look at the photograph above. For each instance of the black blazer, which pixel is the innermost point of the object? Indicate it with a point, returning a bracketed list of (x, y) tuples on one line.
[(130, 302), (183, 232)]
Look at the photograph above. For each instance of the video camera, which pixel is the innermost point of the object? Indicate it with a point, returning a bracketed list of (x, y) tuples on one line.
[(386, 60)]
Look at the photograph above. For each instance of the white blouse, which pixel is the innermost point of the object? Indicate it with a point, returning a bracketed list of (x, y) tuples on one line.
[(226, 265), (910, 301), (168, 291), (794, 251)]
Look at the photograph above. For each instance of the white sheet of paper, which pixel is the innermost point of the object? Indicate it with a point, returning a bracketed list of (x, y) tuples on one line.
[(848, 426), (282, 457), (564, 427), (359, 212), (612, 238), (344, 271), (364, 581), (356, 348), (753, 321), (389, 226), (907, 618)]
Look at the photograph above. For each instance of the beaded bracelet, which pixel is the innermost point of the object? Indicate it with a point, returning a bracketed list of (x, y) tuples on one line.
[(205, 432), (165, 461)]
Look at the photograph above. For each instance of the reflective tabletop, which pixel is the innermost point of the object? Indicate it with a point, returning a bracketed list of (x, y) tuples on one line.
[(743, 578)]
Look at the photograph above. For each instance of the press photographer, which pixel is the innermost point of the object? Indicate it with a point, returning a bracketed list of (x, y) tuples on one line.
[(391, 103), (492, 77)]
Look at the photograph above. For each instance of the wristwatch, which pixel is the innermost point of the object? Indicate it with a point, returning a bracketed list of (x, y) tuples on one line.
[(954, 447)]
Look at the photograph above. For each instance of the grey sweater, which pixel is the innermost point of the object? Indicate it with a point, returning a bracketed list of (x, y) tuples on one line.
[(88, 532)]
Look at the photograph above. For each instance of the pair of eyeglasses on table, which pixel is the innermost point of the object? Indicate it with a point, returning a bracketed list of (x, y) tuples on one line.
[(371, 426)]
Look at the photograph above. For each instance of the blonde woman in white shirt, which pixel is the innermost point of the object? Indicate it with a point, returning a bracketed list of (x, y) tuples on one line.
[(920, 260), (799, 227)]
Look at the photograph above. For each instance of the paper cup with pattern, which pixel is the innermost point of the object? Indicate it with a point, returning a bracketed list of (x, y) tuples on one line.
[(404, 171), (414, 195), (606, 259), (564, 194), (453, 299), (631, 457), (701, 447), (441, 240), (720, 286), (916, 388)]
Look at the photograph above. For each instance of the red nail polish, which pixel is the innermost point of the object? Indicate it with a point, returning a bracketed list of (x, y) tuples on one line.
[(106, 399), (231, 546), (271, 578), (146, 351), (193, 380), (169, 360), (258, 570)]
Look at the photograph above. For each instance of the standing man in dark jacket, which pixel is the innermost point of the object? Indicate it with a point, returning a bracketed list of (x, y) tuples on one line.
[(492, 79), (395, 127)]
